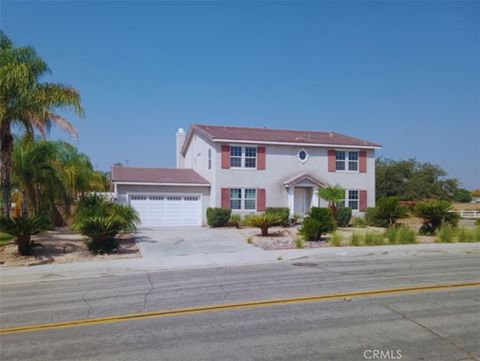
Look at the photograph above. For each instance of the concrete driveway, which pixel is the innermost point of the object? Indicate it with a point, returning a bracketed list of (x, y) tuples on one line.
[(196, 246)]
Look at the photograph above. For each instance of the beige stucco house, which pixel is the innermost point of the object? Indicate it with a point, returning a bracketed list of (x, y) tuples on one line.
[(247, 170)]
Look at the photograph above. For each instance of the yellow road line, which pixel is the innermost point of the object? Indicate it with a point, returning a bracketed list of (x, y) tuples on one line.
[(236, 306)]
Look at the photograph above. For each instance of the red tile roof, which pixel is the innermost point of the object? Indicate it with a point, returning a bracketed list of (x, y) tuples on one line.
[(216, 132), (157, 175)]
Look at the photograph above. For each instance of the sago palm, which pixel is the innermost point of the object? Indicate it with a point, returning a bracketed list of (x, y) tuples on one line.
[(27, 103)]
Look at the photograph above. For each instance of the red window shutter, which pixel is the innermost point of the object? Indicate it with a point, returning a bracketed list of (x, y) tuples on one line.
[(225, 156), (332, 157), (225, 198), (363, 201), (362, 155), (261, 199), (261, 158)]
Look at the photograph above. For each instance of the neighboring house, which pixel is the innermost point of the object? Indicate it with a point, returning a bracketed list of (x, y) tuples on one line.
[(247, 170)]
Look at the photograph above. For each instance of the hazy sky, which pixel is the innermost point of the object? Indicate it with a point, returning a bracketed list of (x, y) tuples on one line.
[(402, 74)]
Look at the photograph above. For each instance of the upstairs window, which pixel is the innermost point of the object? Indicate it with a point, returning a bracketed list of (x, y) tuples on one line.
[(346, 160), (243, 157), (236, 157), (250, 157), (209, 158)]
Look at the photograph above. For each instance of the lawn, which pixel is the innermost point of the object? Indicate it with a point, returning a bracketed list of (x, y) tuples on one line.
[(5, 238)]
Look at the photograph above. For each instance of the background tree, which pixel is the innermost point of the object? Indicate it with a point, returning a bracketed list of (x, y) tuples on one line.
[(333, 195), (27, 103), (412, 180)]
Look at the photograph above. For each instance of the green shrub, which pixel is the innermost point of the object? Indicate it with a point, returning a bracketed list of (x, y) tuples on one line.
[(359, 222), (235, 220), (468, 234), (336, 239), (102, 232), (387, 212), (218, 217), (477, 222), (401, 235), (318, 221), (299, 242), (356, 239), (280, 212), (264, 222), (374, 239), (95, 205), (295, 219), (445, 234), (23, 228), (436, 214), (344, 214), (249, 240)]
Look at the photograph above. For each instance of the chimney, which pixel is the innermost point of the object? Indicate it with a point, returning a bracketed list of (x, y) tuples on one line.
[(180, 140)]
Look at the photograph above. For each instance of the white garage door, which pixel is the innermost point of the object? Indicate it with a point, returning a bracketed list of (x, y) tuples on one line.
[(168, 210)]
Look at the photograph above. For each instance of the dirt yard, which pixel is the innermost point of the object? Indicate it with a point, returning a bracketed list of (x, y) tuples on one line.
[(63, 246)]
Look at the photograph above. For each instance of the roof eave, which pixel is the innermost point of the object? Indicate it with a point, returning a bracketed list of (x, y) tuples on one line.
[(222, 140)]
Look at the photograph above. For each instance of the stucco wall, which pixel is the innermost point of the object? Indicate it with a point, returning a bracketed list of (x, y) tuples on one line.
[(123, 190)]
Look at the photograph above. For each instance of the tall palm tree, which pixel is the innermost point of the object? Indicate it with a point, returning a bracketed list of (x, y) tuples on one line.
[(333, 195), (28, 103)]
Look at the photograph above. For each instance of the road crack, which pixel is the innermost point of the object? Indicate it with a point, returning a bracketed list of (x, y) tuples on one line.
[(87, 303), (225, 293), (148, 292), (444, 339)]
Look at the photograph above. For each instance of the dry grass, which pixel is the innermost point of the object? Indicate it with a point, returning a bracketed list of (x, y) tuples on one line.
[(467, 206)]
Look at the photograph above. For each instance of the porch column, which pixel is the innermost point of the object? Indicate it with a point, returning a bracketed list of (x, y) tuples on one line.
[(315, 200), (290, 200)]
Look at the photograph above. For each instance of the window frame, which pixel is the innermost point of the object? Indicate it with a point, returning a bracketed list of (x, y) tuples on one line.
[(243, 198), (243, 157), (306, 155), (209, 157), (347, 160), (348, 199)]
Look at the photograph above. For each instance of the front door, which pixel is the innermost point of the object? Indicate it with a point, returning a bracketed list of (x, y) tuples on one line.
[(300, 201)]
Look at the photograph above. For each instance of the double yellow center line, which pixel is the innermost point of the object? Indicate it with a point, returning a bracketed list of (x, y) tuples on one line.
[(238, 306)]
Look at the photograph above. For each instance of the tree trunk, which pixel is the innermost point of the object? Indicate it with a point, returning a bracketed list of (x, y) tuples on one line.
[(24, 204), (24, 245), (6, 149), (264, 231)]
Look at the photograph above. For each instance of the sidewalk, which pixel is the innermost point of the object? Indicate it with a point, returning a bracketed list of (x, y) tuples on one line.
[(68, 271)]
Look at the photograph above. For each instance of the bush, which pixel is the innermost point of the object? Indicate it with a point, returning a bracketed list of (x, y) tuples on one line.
[(374, 239), (462, 195), (95, 205), (401, 235), (477, 222), (23, 228), (280, 212), (436, 214), (295, 219), (102, 231), (356, 240), (299, 242), (264, 222), (218, 217), (359, 222), (317, 222), (235, 220), (336, 239), (387, 212), (344, 214), (445, 234)]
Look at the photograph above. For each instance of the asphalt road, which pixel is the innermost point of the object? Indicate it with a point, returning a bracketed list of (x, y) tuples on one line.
[(434, 325)]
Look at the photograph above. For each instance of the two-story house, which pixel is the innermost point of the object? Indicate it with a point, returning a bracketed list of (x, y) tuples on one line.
[(247, 170)]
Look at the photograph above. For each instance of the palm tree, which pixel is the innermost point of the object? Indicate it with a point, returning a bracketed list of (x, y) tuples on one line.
[(28, 104), (37, 176), (333, 195)]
